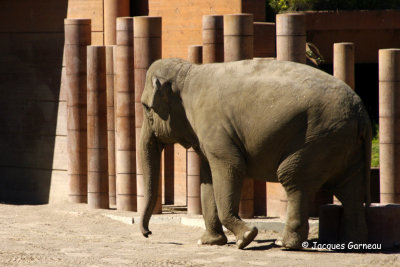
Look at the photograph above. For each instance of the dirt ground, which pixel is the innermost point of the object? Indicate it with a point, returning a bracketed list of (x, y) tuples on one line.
[(72, 235)]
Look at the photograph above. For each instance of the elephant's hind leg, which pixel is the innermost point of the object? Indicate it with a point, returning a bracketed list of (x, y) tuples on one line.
[(296, 227), (352, 196), (214, 234), (227, 183)]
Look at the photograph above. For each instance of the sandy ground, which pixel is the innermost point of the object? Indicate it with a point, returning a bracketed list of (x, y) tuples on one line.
[(72, 235)]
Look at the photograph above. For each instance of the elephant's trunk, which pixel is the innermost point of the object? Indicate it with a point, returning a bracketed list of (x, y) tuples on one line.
[(150, 153)]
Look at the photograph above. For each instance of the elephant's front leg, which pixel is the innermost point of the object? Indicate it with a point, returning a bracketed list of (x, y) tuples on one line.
[(227, 184), (214, 234)]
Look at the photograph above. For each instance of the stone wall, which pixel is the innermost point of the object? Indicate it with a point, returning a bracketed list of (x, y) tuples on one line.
[(31, 49)]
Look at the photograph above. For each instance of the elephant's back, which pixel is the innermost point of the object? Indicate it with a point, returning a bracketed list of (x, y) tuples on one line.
[(271, 86), (275, 106)]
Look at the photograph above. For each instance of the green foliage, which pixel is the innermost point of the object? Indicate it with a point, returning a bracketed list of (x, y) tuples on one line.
[(375, 152), (279, 6), (290, 5), (375, 145)]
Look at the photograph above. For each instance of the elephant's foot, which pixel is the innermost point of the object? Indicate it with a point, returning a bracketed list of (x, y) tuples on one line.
[(245, 238), (212, 239), (291, 241)]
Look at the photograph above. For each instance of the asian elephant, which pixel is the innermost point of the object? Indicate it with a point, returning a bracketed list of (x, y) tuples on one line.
[(264, 119)]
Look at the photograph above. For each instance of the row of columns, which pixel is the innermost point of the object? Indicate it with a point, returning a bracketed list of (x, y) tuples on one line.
[(231, 35), (102, 160)]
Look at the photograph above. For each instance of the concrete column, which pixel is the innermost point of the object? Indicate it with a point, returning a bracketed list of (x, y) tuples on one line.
[(343, 69), (195, 56), (112, 10), (290, 46), (193, 182), (260, 198), (238, 45), (125, 117), (343, 62), (110, 123), (147, 47), (168, 179), (77, 37), (213, 39), (97, 128), (389, 125), (238, 37), (291, 37)]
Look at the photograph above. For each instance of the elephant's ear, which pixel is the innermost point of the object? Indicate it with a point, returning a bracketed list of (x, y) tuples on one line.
[(159, 103)]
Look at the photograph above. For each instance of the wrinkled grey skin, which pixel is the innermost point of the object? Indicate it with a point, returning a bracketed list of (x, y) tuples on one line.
[(264, 119)]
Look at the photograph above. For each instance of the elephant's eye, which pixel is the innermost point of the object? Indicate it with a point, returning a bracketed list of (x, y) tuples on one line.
[(148, 113)]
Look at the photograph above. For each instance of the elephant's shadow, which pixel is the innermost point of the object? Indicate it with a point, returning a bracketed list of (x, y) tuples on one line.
[(261, 245)]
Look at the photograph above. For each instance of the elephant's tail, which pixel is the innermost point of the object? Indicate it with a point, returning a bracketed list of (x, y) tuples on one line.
[(366, 136)]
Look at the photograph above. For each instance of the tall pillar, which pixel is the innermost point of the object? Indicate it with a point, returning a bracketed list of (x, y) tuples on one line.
[(260, 198), (213, 39), (343, 69), (291, 37), (238, 45), (238, 37), (389, 125), (110, 123), (290, 46), (195, 56), (125, 117), (147, 47), (97, 128), (343, 62), (77, 37), (168, 179), (112, 10)]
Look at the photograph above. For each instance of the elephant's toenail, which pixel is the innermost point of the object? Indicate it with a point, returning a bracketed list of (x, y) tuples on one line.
[(279, 243), (199, 242)]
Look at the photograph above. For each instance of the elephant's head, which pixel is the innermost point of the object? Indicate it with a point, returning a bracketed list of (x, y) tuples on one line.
[(164, 123)]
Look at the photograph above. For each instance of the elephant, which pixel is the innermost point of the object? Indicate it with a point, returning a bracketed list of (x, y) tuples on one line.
[(263, 119)]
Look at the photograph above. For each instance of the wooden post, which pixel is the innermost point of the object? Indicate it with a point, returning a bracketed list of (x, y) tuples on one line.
[(110, 123), (213, 39), (389, 125), (97, 128), (125, 117), (77, 37), (112, 10), (343, 62), (290, 46), (238, 37), (238, 45), (195, 56), (147, 47), (291, 37)]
